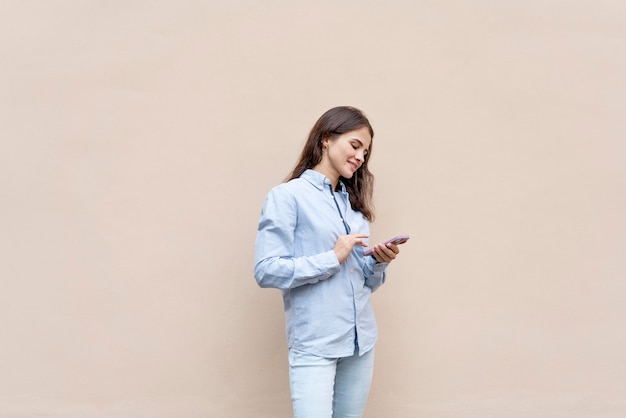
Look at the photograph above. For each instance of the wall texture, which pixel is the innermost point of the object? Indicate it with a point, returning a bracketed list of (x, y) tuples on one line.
[(138, 139)]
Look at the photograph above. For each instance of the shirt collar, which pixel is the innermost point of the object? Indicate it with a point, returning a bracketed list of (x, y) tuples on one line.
[(319, 180)]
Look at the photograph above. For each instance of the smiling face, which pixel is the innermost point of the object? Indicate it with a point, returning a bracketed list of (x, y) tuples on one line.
[(344, 155)]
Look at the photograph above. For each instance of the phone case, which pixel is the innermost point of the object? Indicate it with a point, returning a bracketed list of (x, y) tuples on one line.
[(400, 239)]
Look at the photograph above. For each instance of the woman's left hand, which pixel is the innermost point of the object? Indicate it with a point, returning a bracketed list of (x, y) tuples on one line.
[(385, 254)]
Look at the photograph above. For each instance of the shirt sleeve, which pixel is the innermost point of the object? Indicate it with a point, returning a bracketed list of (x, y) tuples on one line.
[(375, 273), (275, 262)]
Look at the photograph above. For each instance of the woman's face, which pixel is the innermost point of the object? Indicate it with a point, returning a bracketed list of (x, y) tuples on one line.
[(345, 154)]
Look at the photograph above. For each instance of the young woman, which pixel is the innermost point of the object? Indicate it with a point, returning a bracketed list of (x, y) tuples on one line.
[(310, 244)]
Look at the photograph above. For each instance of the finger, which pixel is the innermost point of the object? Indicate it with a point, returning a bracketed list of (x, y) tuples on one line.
[(377, 257), (380, 255), (394, 248), (359, 241), (387, 252)]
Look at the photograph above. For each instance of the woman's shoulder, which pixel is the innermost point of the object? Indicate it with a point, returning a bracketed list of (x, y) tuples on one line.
[(290, 186), (288, 189)]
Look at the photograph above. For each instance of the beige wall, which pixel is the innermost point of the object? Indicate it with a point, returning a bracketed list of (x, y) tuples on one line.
[(139, 138)]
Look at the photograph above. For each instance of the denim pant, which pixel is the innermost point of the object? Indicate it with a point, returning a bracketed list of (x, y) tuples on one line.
[(329, 387)]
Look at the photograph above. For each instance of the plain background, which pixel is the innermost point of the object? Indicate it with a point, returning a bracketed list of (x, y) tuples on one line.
[(139, 138)]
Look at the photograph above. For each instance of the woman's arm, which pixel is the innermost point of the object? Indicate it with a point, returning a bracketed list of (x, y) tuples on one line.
[(275, 262), (375, 267), (374, 272)]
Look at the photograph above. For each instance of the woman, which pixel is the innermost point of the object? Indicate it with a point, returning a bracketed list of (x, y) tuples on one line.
[(310, 244)]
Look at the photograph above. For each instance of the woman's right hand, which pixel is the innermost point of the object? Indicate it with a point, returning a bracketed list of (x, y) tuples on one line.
[(345, 243)]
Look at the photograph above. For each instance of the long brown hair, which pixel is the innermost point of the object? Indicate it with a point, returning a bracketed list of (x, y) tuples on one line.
[(332, 124)]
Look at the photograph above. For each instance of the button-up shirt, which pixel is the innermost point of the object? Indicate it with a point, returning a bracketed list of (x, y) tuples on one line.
[(327, 304)]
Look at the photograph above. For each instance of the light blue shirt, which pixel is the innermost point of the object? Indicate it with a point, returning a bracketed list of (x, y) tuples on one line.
[(327, 304)]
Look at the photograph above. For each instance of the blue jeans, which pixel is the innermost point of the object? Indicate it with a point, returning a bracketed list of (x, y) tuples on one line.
[(329, 387)]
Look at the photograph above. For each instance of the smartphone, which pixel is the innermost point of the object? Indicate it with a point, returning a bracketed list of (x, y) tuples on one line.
[(400, 239)]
